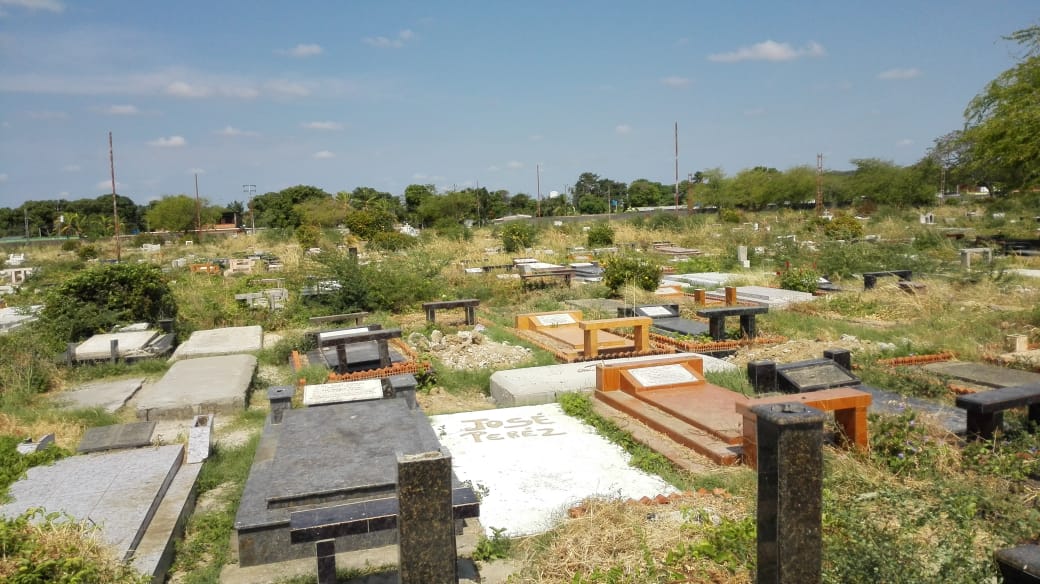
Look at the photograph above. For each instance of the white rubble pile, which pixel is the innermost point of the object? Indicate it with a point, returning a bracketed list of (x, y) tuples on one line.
[(469, 350)]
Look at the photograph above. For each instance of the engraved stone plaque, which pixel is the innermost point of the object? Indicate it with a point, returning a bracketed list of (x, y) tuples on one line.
[(653, 311), (555, 319), (662, 375), (344, 391)]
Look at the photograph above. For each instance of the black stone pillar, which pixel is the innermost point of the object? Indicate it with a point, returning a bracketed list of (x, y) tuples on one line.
[(280, 397), (471, 315), (869, 281), (762, 376), (113, 350), (384, 354), (748, 329), (425, 521), (717, 328), (325, 550), (790, 493), (352, 252), (842, 357)]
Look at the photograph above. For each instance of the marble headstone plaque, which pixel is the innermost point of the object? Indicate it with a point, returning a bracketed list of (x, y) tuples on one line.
[(344, 391), (653, 311), (818, 377), (555, 319), (662, 375)]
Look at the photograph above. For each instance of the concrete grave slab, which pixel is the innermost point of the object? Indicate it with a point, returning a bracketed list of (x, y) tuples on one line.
[(890, 403), (107, 395), (772, 297), (198, 386), (543, 385), (99, 347), (13, 317), (983, 373), (535, 462), (117, 491), (117, 436), (708, 280), (222, 341)]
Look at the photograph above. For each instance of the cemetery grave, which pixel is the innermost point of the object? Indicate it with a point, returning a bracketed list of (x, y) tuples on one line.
[(571, 339), (125, 345), (220, 341)]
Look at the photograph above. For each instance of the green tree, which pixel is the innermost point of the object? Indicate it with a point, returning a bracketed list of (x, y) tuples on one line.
[(1003, 121), (414, 195), (177, 213), (279, 210)]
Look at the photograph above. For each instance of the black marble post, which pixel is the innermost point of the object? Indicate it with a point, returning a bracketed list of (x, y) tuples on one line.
[(425, 520), (280, 397), (325, 550), (352, 252), (842, 357), (113, 350), (748, 328), (762, 375), (790, 493)]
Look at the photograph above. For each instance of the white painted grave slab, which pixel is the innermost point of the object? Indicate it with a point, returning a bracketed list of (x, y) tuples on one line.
[(535, 462), (662, 375), (653, 311), (541, 266), (343, 391), (555, 319)]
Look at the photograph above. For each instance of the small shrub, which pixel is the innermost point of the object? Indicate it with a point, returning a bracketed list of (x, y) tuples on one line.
[(664, 221), (729, 216), (843, 227), (800, 279), (88, 252), (517, 236), (601, 235), (495, 547), (308, 236), (900, 443), (619, 270), (70, 245), (453, 230)]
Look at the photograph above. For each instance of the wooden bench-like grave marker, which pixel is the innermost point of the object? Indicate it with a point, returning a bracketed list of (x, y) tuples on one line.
[(717, 320), (469, 304), (986, 408), (339, 339), (588, 338), (870, 278), (591, 330)]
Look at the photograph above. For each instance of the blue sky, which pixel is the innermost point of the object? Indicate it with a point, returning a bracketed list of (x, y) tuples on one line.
[(385, 94)]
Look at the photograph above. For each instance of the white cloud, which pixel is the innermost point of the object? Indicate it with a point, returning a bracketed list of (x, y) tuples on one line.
[(675, 81), (106, 185), (905, 142), (231, 131), (382, 42), (171, 142), (3, 177), (48, 115), (49, 5), (122, 110), (184, 89), (322, 154), (623, 129), (71, 168), (287, 88), (322, 125), (514, 165), (896, 74), (301, 50), (769, 51)]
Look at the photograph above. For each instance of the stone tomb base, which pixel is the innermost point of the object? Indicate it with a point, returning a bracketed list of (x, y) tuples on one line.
[(321, 457), (198, 386)]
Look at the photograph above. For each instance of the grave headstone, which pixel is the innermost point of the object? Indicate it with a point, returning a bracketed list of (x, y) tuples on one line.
[(200, 438), (28, 446), (813, 375), (117, 436), (343, 391), (663, 375), (555, 319), (425, 519)]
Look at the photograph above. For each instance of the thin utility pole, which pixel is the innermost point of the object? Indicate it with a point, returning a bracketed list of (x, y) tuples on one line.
[(538, 179), (819, 184), (198, 211), (115, 209), (676, 167)]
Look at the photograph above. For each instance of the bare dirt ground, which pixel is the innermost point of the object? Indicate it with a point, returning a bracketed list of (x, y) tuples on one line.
[(801, 350)]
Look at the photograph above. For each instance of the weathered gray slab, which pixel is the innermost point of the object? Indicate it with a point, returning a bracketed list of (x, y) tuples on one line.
[(107, 395), (707, 280), (772, 297), (343, 391), (99, 347), (890, 403), (15, 316), (821, 374), (543, 385), (222, 341), (117, 491), (115, 437), (983, 373), (154, 552), (197, 386)]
